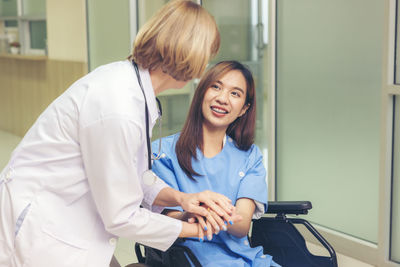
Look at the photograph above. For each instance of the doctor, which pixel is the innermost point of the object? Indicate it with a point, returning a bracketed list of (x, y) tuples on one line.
[(77, 180)]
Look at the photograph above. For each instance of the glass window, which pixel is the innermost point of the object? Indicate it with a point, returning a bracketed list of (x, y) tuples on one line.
[(397, 59), (37, 33), (8, 8), (11, 23), (395, 229), (241, 40), (33, 7), (234, 24), (23, 22), (328, 111), (108, 31), (147, 9)]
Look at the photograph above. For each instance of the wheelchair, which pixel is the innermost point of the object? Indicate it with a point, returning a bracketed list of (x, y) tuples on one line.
[(277, 235)]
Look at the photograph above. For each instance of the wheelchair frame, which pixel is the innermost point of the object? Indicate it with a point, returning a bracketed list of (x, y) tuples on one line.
[(277, 235)]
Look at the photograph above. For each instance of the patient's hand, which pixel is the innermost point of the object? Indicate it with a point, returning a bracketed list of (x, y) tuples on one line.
[(203, 202), (211, 225)]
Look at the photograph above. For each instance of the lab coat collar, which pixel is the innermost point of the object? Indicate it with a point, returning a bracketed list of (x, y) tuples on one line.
[(150, 96)]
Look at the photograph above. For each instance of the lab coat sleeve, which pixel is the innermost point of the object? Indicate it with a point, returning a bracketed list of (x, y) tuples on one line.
[(164, 169), (109, 148), (150, 194), (254, 184)]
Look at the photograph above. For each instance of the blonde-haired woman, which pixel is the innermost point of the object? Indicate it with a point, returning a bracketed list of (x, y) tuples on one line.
[(79, 177)]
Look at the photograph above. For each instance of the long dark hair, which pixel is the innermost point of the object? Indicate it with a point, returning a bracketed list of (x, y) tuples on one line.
[(241, 130)]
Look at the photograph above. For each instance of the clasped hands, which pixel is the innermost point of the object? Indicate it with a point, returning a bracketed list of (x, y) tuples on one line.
[(211, 212)]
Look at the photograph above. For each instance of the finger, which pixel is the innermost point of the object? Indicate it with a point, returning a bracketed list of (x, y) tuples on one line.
[(201, 233), (216, 201), (223, 202), (201, 221), (216, 208), (191, 220), (209, 231), (225, 216), (215, 221)]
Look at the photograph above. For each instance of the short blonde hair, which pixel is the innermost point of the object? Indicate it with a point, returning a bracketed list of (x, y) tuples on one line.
[(180, 39)]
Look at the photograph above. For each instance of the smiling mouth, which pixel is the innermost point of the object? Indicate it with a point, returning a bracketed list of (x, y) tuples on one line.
[(219, 110)]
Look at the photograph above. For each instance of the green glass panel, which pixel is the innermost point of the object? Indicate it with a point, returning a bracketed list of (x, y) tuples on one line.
[(395, 231), (11, 23), (175, 108), (329, 79), (38, 34), (397, 64), (234, 24), (147, 9), (108, 31), (34, 7), (237, 27), (8, 8)]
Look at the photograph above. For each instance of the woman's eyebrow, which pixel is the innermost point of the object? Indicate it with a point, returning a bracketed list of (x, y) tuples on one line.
[(235, 87)]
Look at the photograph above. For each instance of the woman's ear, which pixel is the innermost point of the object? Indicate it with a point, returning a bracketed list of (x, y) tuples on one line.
[(244, 109)]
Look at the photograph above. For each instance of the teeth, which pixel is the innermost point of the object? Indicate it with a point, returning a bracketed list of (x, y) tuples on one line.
[(219, 110)]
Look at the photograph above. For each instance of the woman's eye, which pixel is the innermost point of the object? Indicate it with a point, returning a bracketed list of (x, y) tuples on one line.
[(215, 86), (236, 94)]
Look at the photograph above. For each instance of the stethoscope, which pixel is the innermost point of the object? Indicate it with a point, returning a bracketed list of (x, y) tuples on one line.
[(148, 176)]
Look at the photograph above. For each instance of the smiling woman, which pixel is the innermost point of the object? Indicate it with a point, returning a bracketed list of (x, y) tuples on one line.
[(224, 101), (215, 151), (241, 129)]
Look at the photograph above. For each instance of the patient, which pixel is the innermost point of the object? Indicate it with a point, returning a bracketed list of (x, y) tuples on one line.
[(215, 151)]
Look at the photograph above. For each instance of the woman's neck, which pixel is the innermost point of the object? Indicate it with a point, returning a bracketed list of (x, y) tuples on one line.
[(160, 80), (212, 141)]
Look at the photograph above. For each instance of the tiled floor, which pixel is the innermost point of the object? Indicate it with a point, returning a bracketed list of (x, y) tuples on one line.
[(125, 248)]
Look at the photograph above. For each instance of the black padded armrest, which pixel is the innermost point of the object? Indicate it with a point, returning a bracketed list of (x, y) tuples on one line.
[(288, 207)]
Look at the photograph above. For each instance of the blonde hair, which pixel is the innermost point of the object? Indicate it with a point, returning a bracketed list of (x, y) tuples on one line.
[(180, 39)]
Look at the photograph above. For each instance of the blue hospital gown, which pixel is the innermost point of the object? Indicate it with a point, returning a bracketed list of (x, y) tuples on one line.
[(234, 173)]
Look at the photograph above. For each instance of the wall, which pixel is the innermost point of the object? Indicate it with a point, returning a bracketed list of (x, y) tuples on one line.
[(66, 30), (29, 86)]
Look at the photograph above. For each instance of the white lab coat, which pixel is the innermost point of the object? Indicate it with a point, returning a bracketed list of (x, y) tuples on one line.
[(73, 185)]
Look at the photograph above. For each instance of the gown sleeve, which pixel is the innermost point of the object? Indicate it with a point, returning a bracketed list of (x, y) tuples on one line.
[(254, 184)]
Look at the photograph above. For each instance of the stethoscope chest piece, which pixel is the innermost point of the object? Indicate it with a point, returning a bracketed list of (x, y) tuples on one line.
[(149, 177)]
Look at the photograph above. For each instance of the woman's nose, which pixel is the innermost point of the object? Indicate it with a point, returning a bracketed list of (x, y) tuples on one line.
[(222, 97)]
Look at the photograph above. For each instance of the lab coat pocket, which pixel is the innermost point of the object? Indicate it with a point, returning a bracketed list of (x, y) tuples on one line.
[(58, 248)]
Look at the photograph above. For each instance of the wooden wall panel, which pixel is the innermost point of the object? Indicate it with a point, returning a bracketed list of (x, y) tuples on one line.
[(28, 86)]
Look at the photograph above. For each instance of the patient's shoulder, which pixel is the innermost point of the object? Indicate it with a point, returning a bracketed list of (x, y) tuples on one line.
[(168, 144)]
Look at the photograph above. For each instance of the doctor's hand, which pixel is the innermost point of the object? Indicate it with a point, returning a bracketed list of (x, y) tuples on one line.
[(215, 208)]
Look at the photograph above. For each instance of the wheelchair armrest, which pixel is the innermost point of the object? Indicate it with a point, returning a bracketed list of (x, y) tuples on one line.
[(288, 207)]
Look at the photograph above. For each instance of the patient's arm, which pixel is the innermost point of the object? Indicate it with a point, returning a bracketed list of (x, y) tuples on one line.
[(188, 229), (244, 207), (176, 214)]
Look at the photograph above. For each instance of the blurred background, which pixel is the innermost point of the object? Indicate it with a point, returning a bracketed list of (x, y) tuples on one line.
[(326, 79)]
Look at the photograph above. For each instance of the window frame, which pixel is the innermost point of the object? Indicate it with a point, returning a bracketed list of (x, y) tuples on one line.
[(389, 91), (24, 34)]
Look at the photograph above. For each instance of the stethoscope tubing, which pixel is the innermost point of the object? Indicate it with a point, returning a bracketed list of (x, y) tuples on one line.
[(147, 119)]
